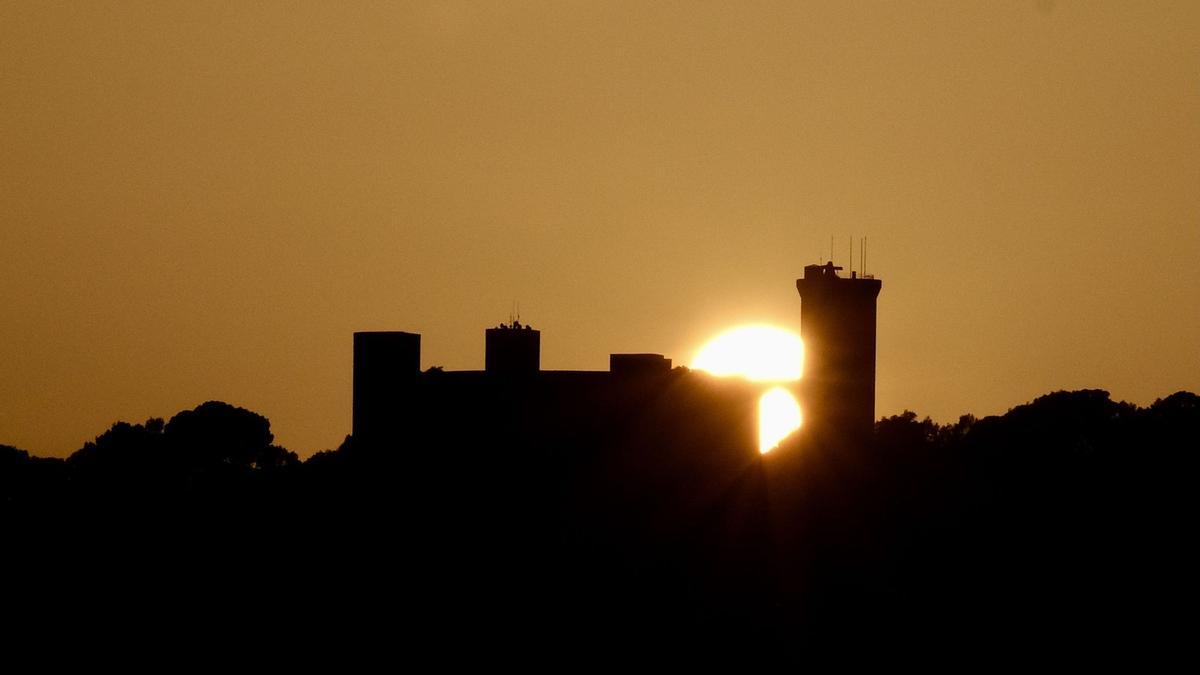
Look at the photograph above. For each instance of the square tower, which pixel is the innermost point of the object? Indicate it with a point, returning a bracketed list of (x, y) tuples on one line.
[(512, 349)]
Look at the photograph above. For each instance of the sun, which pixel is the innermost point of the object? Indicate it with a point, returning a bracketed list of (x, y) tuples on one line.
[(760, 353), (778, 417)]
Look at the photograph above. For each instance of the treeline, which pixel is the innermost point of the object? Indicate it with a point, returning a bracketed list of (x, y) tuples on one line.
[(213, 447), (1063, 524), (1062, 441), (1059, 527)]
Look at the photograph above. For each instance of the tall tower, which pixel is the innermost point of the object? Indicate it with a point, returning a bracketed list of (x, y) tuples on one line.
[(837, 323), (386, 364)]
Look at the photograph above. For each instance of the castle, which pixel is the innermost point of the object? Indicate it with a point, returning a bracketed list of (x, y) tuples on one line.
[(640, 396)]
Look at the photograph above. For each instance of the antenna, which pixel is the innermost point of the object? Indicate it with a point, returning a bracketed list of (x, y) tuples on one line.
[(862, 256), (851, 255), (831, 248)]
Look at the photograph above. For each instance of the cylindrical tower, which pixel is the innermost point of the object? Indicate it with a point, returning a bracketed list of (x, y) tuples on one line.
[(837, 323), (386, 364)]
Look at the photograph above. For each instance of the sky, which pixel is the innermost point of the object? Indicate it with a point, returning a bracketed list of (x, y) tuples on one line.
[(204, 200)]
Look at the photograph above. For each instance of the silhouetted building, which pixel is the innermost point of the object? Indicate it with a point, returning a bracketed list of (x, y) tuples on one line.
[(640, 394), (637, 401), (386, 365), (512, 349), (638, 364), (837, 323)]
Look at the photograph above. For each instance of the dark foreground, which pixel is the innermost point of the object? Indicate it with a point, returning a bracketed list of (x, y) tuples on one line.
[(1059, 530)]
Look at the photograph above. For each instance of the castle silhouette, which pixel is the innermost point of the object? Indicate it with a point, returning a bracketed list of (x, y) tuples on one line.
[(567, 516), (639, 395)]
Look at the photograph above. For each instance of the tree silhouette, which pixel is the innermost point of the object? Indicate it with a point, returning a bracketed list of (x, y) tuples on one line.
[(123, 451), (1054, 525), (217, 435)]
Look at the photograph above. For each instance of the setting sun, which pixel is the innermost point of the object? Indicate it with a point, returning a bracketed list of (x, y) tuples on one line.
[(760, 353)]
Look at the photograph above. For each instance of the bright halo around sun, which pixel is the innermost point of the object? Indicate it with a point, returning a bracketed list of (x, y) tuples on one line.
[(760, 353)]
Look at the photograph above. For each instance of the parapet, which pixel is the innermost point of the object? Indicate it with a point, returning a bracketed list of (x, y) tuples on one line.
[(638, 364)]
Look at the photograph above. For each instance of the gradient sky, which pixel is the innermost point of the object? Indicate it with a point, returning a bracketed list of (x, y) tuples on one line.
[(203, 200)]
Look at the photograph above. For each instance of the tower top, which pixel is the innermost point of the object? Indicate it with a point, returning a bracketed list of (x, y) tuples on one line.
[(826, 270), (515, 324)]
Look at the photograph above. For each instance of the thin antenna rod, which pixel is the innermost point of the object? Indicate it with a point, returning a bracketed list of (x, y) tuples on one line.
[(851, 255), (864, 256), (831, 249)]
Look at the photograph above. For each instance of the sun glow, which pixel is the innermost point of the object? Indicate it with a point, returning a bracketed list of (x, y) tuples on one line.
[(778, 417), (760, 353)]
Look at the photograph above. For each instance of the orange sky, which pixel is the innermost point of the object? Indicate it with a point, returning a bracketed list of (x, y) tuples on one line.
[(203, 200)]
